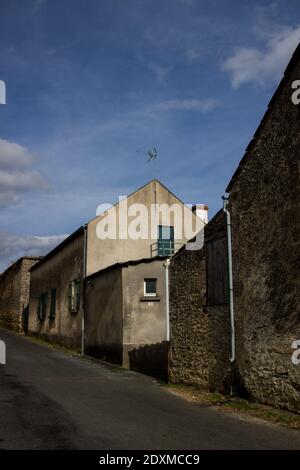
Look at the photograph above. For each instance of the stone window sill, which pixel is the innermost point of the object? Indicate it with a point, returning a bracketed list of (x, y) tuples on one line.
[(150, 298)]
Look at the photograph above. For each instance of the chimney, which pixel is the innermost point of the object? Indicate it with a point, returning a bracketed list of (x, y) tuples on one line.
[(201, 210)]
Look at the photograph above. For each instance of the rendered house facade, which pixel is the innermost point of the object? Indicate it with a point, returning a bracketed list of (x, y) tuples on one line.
[(61, 301)]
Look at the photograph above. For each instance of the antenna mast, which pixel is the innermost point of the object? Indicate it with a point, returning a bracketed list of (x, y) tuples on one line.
[(151, 155)]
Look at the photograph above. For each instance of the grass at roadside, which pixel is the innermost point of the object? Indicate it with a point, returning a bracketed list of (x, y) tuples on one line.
[(74, 353), (42, 342), (236, 405), (224, 403)]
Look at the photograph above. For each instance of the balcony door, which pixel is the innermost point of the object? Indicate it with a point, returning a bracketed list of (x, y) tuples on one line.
[(165, 241)]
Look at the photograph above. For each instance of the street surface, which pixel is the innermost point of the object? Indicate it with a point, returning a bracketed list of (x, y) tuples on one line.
[(50, 400)]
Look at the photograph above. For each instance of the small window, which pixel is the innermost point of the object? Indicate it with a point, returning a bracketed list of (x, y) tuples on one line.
[(39, 308), (53, 304), (42, 307), (150, 287), (74, 296)]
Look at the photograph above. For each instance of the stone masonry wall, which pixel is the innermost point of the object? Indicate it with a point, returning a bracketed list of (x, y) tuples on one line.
[(14, 293), (25, 284), (199, 348), (10, 282), (265, 211), (188, 320)]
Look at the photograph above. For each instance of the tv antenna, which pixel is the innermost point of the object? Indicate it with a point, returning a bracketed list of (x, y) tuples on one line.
[(151, 155)]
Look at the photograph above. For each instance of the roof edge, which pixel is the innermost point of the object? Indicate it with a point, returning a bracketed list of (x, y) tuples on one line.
[(127, 263), (58, 247)]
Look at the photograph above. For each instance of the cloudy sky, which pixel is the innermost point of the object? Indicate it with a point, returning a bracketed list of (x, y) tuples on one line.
[(93, 84)]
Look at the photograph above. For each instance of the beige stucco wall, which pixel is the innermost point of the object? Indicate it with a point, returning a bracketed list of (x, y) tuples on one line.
[(121, 325), (103, 253), (104, 315), (57, 272), (144, 320)]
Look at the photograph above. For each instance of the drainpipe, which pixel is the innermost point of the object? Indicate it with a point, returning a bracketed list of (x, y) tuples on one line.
[(83, 286), (166, 265), (230, 278)]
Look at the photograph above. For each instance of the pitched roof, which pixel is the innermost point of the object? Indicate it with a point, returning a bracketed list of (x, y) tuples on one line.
[(293, 62), (58, 247), (125, 264), (142, 187), (80, 229)]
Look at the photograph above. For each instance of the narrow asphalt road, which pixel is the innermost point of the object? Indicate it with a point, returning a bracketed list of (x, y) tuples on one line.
[(49, 400)]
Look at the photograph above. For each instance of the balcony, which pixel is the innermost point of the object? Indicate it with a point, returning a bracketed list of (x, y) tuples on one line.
[(164, 248)]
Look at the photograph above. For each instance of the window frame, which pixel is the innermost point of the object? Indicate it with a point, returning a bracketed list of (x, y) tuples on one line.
[(165, 246), (74, 296), (53, 296), (39, 308), (44, 299), (150, 294), (42, 306)]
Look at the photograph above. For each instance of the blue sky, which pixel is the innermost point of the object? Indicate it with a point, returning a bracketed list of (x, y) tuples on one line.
[(92, 84)]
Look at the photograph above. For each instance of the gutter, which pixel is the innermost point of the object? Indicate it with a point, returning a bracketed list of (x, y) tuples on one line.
[(166, 266), (230, 278), (83, 287)]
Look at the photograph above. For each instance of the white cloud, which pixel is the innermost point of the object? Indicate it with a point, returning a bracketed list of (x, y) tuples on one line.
[(15, 177), (160, 72), (263, 66), (13, 155), (194, 104), (20, 181), (193, 54), (13, 247)]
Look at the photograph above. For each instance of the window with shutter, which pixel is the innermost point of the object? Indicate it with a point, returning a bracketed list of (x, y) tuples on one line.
[(53, 304), (74, 296), (39, 308), (42, 307), (77, 295)]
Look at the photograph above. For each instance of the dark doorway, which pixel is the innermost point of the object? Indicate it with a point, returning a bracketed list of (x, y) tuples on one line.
[(25, 320)]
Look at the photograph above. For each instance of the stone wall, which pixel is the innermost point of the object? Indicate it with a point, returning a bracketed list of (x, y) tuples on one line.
[(265, 212), (199, 348), (264, 202), (14, 293), (10, 302), (188, 320)]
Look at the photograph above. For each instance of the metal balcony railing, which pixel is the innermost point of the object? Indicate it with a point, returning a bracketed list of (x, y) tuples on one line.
[(164, 248)]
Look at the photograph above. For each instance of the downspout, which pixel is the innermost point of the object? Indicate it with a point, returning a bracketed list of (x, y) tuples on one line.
[(230, 278), (166, 265), (83, 287)]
